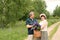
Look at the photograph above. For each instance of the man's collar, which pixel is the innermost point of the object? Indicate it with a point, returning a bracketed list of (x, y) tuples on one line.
[(31, 18)]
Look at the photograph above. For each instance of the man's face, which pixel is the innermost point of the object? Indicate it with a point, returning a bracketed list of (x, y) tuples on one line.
[(32, 16)]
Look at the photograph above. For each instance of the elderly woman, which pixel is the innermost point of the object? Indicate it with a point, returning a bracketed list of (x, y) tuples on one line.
[(43, 24)]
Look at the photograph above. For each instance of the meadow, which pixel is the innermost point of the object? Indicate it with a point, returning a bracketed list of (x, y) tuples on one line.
[(12, 11), (18, 31)]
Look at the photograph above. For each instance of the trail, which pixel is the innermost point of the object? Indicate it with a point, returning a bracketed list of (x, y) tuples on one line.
[(52, 27), (56, 36)]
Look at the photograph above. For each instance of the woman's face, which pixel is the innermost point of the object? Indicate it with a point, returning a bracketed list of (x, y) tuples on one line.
[(42, 18)]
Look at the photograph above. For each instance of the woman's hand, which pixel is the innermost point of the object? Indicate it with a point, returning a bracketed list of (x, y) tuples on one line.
[(44, 25)]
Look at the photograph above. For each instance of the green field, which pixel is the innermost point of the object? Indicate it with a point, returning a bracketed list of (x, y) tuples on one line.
[(18, 31), (13, 14)]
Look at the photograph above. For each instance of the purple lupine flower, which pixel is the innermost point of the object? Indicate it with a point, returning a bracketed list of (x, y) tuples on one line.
[(35, 25)]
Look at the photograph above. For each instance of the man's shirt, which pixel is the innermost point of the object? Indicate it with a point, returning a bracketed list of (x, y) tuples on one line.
[(29, 21)]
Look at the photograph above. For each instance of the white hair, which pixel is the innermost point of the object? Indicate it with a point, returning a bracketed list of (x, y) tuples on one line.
[(30, 14)]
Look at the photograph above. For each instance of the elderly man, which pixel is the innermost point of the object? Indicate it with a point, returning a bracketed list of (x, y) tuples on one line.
[(29, 23)]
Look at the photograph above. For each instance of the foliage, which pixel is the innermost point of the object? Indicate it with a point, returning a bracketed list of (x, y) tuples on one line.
[(57, 12), (14, 10), (47, 14), (39, 5), (18, 31)]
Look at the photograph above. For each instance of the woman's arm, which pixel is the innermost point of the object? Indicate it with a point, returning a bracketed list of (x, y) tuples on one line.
[(44, 25)]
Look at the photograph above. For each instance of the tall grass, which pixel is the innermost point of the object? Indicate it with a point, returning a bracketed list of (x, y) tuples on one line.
[(18, 31), (52, 21)]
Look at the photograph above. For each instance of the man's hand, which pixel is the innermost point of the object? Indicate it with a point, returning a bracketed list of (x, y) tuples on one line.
[(29, 26)]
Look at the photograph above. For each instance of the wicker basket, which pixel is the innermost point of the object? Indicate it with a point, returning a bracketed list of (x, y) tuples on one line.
[(37, 33)]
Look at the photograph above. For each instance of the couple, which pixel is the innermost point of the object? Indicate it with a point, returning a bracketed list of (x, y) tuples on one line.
[(29, 23)]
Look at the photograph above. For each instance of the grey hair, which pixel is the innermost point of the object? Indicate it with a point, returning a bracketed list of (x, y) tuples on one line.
[(30, 14)]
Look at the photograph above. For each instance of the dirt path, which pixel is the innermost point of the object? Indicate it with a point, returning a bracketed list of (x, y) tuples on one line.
[(57, 34), (52, 27)]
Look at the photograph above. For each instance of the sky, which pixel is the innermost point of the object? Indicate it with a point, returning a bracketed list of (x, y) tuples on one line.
[(51, 5)]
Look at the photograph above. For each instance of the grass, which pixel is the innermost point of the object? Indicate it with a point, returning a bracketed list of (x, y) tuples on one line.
[(17, 32), (52, 21)]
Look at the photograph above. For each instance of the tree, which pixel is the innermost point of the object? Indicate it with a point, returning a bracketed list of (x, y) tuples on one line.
[(47, 13), (39, 6), (57, 11), (13, 10)]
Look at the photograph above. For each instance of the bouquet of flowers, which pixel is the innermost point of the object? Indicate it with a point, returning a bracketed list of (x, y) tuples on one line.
[(36, 26)]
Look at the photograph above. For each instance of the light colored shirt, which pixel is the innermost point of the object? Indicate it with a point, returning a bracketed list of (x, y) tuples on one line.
[(44, 23)]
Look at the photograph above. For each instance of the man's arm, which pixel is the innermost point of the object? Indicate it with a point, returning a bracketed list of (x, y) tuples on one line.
[(29, 26)]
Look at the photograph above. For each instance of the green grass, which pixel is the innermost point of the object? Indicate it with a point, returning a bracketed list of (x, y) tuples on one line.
[(52, 21), (18, 31)]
